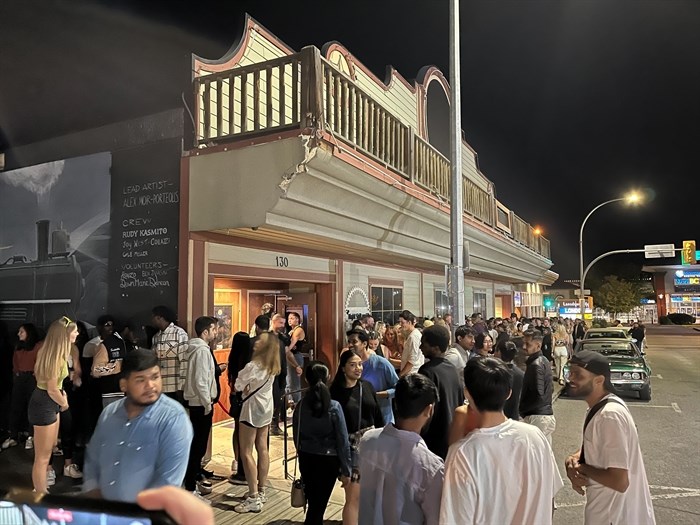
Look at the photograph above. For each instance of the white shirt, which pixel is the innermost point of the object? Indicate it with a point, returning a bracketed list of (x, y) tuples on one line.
[(504, 474), (611, 440), (257, 409), (455, 357), (411, 352), (90, 348), (401, 478)]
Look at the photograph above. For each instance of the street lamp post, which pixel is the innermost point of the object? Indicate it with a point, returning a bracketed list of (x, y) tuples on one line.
[(631, 198)]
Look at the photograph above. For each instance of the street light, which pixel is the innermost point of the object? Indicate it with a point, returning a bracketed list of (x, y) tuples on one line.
[(631, 198)]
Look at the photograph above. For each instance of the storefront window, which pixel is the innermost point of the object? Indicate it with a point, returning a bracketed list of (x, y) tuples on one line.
[(442, 303), (480, 302), (387, 303)]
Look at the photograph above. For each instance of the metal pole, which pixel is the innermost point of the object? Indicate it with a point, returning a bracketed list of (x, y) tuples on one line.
[(581, 274), (456, 291)]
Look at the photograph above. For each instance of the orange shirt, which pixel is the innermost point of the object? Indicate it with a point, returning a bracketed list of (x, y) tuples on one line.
[(24, 360)]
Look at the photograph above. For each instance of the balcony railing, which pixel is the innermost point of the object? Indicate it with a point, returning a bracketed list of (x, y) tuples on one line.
[(304, 91)]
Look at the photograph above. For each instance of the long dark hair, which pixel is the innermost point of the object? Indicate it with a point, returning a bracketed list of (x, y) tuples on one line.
[(239, 356), (32, 337), (339, 379), (318, 397)]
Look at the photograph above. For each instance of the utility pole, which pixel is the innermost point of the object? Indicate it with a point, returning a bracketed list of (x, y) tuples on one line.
[(456, 268)]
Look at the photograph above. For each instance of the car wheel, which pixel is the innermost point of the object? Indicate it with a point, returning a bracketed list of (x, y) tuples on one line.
[(645, 393)]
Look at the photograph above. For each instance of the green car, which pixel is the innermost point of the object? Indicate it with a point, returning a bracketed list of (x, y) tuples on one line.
[(629, 371)]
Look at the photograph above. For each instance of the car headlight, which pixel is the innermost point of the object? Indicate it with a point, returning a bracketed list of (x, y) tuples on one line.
[(626, 375), (636, 375), (566, 374)]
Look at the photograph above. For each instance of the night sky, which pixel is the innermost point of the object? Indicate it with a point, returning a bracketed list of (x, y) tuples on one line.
[(568, 102)]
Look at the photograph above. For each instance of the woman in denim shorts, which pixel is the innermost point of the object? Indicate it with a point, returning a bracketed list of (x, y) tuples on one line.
[(48, 399)]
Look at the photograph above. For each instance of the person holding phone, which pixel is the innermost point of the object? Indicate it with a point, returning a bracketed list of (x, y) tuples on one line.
[(48, 399)]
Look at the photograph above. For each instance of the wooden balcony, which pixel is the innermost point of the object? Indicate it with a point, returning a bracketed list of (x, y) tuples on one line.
[(303, 91)]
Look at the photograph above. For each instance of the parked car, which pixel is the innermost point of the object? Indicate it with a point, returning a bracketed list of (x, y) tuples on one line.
[(607, 333), (629, 370)]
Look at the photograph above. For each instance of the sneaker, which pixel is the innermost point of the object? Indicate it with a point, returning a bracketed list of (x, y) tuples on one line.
[(249, 505), (204, 486), (29, 444), (237, 479), (50, 478), (57, 451), (261, 494), (199, 496), (72, 471), (9, 442)]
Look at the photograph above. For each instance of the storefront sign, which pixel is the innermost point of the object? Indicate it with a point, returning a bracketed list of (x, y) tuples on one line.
[(685, 298), (517, 299)]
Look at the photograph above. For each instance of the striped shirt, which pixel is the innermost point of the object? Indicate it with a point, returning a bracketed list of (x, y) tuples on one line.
[(170, 346)]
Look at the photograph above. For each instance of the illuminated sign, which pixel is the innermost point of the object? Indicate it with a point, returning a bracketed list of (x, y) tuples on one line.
[(517, 301), (686, 281), (689, 253), (685, 298)]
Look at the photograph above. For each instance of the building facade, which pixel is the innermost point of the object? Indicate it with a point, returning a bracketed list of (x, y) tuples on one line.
[(316, 187)]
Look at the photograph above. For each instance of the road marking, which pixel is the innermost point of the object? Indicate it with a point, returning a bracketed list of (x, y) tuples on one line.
[(676, 407), (683, 359), (687, 493), (658, 376)]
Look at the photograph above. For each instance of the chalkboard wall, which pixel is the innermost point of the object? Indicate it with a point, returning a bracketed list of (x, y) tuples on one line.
[(145, 226)]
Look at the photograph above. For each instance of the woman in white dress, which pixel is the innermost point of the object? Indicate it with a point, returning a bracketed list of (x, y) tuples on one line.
[(255, 383)]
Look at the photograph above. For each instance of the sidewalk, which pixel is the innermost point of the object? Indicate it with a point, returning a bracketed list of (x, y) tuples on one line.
[(277, 510)]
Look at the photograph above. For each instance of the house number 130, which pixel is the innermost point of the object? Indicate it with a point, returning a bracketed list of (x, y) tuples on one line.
[(281, 262)]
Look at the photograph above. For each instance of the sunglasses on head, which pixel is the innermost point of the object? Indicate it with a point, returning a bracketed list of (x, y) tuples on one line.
[(108, 323), (66, 320)]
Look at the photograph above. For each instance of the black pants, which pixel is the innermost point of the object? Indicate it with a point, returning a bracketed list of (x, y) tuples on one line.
[(22, 388), (319, 473), (201, 425), (279, 410)]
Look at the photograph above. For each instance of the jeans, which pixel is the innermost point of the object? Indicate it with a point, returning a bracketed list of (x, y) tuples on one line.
[(279, 412), (22, 388), (294, 380), (201, 426), (561, 356), (319, 473)]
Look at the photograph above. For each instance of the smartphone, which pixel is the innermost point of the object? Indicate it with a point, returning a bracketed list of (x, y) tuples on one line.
[(23, 507)]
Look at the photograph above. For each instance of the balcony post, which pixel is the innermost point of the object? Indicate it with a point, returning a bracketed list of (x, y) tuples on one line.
[(312, 113)]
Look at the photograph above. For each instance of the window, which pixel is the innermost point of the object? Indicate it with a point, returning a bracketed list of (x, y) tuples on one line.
[(387, 303), (480, 303), (442, 303)]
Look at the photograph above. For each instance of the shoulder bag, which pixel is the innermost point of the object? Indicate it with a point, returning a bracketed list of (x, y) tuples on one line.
[(298, 493)]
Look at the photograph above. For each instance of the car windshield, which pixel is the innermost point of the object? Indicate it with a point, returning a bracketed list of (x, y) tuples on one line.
[(611, 348), (614, 334)]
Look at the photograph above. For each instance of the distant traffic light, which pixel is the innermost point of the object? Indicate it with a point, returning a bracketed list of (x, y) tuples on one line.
[(548, 301), (688, 253)]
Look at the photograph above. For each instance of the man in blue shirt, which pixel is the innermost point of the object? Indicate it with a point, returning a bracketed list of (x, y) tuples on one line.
[(376, 370), (141, 441)]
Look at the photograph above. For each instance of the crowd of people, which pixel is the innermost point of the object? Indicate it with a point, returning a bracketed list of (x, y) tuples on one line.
[(422, 421)]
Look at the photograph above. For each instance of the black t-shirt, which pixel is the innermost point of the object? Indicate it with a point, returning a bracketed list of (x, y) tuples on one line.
[(512, 407), (117, 348), (637, 333), (446, 378), (348, 399)]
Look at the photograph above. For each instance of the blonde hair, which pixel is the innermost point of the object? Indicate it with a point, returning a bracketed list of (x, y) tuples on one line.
[(55, 350), (561, 334), (268, 354)]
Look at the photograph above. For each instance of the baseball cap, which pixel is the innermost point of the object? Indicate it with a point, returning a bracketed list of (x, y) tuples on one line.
[(596, 364)]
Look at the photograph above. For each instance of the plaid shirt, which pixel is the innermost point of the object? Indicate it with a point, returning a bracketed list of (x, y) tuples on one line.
[(169, 346)]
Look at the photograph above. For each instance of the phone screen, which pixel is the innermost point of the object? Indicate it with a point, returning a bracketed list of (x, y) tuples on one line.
[(37, 514)]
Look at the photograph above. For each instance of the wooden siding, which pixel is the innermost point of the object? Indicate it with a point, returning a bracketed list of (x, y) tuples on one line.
[(360, 275)]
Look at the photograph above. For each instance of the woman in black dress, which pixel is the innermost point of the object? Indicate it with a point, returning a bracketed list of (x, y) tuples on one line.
[(361, 409)]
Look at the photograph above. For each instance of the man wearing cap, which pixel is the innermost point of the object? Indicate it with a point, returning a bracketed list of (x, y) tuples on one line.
[(608, 469)]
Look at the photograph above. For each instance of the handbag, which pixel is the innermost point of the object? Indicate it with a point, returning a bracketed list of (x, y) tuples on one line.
[(237, 401), (298, 493)]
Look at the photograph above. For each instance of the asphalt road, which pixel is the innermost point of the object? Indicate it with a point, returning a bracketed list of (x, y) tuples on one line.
[(668, 426)]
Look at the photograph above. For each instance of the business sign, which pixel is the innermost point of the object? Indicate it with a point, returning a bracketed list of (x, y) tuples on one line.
[(688, 254), (517, 300), (686, 281), (685, 298)]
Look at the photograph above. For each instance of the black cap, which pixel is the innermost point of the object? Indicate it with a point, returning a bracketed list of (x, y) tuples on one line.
[(596, 364)]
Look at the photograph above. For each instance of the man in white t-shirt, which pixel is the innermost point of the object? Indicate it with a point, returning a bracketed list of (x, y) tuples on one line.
[(411, 356), (608, 469), (504, 471)]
